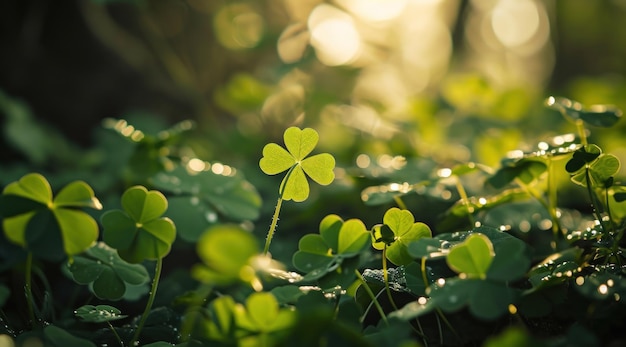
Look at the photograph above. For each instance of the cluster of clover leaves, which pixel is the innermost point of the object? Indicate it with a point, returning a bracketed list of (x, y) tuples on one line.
[(437, 289)]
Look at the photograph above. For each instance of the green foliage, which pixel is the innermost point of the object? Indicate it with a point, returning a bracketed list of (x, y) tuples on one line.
[(397, 232), (333, 251), (472, 257), (300, 143), (45, 225), (507, 255), (228, 253), (107, 274), (139, 232), (99, 313)]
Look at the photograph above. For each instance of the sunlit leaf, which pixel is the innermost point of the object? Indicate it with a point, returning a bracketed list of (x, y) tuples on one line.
[(226, 252), (472, 257), (299, 144), (405, 230), (328, 252), (36, 221)]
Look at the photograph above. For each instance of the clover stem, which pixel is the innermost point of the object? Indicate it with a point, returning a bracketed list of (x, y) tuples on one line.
[(117, 336), (372, 296), (153, 289), (270, 232), (580, 127), (399, 202), (386, 279), (465, 200), (29, 290), (552, 203), (595, 204)]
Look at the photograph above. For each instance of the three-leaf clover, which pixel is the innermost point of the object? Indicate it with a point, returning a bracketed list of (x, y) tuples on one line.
[(139, 232), (45, 225), (397, 231), (299, 143)]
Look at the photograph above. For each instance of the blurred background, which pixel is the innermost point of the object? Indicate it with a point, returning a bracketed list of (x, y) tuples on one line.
[(382, 81)]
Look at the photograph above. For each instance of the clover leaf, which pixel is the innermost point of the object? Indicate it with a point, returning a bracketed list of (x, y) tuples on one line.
[(589, 162), (47, 226), (472, 257), (99, 313), (139, 232), (107, 273), (227, 252), (262, 314), (325, 251), (299, 143), (397, 231)]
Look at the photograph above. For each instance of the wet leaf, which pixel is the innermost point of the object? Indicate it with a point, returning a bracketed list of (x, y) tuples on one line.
[(595, 115), (99, 313)]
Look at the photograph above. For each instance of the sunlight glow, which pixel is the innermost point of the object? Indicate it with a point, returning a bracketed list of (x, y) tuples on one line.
[(515, 22), (374, 10), (334, 36)]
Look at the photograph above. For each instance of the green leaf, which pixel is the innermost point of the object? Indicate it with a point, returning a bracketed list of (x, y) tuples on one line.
[(527, 170), (226, 252), (275, 159), (328, 252), (99, 313), (42, 224), (77, 194), (262, 314), (299, 143), (32, 186), (317, 168), (143, 205), (405, 230), (137, 232), (600, 171), (596, 115), (57, 337), (472, 257), (108, 274), (215, 196)]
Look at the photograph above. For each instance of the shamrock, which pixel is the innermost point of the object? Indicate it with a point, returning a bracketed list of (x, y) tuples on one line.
[(399, 229), (299, 143)]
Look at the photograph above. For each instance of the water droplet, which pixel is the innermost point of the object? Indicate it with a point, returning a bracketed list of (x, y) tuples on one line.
[(211, 217)]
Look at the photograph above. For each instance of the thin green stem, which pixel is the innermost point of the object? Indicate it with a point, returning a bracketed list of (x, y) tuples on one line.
[(372, 296), (386, 279), (117, 336), (465, 200), (153, 290), (423, 268), (580, 127), (270, 233), (29, 290), (552, 204), (556, 224), (272, 230), (593, 200), (399, 202)]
